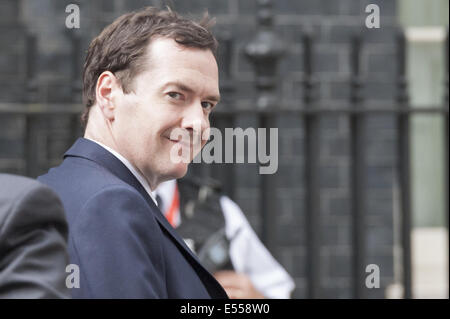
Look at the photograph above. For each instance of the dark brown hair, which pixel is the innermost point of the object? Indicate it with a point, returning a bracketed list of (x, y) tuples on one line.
[(120, 48)]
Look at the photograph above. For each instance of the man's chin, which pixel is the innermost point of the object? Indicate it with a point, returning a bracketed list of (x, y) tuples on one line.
[(179, 170)]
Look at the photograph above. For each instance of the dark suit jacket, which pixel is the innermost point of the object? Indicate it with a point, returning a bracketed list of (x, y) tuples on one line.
[(124, 246), (33, 240)]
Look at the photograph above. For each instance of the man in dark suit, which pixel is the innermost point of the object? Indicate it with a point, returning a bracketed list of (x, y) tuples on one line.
[(147, 75), (33, 240)]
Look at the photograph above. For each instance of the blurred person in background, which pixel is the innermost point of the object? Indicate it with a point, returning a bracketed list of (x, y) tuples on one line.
[(33, 240), (216, 229)]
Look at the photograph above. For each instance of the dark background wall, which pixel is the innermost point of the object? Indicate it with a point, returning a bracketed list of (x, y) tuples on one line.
[(333, 23)]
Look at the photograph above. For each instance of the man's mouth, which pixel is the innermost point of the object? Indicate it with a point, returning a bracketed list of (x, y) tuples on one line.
[(182, 142)]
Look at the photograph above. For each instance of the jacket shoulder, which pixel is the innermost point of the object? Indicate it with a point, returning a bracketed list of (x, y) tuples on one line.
[(23, 196)]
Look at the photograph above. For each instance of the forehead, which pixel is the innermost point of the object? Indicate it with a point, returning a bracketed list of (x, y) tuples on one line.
[(168, 61)]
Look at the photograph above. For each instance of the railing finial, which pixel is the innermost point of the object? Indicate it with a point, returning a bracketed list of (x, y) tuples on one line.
[(264, 51)]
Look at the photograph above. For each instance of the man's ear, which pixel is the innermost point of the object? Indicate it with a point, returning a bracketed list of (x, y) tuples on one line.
[(107, 84)]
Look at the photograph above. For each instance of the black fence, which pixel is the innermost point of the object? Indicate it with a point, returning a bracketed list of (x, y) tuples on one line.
[(265, 52)]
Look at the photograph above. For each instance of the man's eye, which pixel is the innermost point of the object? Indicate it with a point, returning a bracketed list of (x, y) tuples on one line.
[(175, 95), (207, 105)]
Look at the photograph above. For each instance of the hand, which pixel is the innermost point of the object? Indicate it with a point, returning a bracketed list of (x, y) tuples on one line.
[(237, 285)]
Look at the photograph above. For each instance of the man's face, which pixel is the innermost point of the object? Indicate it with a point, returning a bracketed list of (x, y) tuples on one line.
[(176, 91)]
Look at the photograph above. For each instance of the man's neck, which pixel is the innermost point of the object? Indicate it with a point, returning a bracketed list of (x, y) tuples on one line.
[(100, 131), (139, 176)]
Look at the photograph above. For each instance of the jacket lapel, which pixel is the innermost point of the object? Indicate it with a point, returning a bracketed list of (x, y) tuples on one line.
[(92, 151)]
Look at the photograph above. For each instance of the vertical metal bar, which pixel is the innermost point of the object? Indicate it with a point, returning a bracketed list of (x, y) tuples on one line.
[(215, 168), (404, 164), (76, 66), (31, 124), (30, 69), (358, 183), (268, 192), (312, 169), (223, 172), (230, 180), (264, 52), (32, 146), (227, 89), (445, 139)]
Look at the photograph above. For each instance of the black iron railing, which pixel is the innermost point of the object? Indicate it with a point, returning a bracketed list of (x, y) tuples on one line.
[(265, 51)]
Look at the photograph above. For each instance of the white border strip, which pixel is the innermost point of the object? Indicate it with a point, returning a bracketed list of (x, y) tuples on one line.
[(426, 34)]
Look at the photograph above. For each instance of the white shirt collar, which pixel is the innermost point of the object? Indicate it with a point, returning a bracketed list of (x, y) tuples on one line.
[(136, 174)]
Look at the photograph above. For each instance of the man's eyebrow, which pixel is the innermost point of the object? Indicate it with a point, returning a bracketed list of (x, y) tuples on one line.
[(186, 88)]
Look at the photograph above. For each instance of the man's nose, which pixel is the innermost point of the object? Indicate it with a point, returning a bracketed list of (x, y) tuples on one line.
[(195, 120)]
